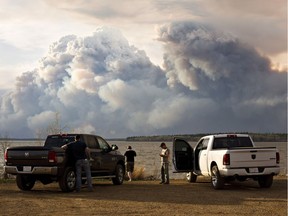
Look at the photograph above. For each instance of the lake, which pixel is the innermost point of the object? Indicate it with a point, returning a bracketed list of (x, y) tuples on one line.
[(148, 154)]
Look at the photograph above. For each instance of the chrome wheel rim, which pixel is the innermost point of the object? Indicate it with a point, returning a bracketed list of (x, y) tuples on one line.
[(71, 180)]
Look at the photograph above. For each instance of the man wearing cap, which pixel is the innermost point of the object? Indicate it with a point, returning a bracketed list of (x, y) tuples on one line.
[(164, 155)]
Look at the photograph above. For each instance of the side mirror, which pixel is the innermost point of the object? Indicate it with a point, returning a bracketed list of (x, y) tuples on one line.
[(114, 147)]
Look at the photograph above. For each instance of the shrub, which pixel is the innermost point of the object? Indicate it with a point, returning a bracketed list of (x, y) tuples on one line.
[(138, 174)]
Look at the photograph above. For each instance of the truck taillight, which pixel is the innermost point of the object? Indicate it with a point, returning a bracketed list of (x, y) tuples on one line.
[(6, 155), (226, 159), (277, 157), (52, 157)]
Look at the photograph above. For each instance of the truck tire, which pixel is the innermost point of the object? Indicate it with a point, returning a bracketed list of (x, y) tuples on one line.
[(191, 177), (25, 182), (67, 182), (265, 181), (216, 180), (119, 172)]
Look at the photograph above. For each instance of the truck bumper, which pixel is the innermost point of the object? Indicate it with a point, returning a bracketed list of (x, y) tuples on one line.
[(250, 171), (31, 170)]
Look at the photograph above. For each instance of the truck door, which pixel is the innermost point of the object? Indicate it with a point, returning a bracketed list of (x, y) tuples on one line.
[(182, 156), (109, 159), (203, 156), (95, 153)]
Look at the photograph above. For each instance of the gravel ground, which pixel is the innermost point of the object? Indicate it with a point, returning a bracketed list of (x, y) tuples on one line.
[(147, 198)]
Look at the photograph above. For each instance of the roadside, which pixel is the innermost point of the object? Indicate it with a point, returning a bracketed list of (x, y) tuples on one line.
[(148, 198)]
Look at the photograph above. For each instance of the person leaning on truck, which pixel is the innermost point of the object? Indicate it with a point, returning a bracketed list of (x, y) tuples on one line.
[(80, 152), (164, 155)]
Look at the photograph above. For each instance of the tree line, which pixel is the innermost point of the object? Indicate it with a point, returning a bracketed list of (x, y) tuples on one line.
[(257, 137)]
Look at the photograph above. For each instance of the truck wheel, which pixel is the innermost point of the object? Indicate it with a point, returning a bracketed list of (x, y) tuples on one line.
[(191, 177), (265, 181), (25, 182), (119, 172), (216, 180), (67, 182)]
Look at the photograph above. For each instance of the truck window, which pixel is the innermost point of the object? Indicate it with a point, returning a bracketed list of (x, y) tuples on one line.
[(181, 146), (92, 142), (102, 143), (58, 140), (203, 144), (231, 142)]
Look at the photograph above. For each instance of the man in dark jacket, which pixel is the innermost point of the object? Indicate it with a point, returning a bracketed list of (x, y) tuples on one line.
[(80, 153)]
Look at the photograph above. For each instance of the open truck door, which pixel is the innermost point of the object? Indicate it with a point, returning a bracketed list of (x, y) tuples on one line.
[(183, 156)]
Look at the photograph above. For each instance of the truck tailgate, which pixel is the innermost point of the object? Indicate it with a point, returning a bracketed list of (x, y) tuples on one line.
[(28, 156), (256, 157)]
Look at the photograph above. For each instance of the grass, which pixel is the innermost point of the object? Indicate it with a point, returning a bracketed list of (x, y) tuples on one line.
[(2, 180), (139, 174)]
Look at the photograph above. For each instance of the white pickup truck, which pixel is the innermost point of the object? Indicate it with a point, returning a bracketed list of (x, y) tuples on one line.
[(226, 157)]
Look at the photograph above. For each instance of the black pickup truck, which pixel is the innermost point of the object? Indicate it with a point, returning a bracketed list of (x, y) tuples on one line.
[(50, 163)]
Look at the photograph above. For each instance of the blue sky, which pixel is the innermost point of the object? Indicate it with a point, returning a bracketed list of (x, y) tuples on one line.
[(150, 52)]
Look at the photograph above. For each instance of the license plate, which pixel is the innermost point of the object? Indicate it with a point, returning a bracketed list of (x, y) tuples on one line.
[(27, 168), (253, 170)]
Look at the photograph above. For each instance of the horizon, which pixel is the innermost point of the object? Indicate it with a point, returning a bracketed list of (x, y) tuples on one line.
[(151, 136)]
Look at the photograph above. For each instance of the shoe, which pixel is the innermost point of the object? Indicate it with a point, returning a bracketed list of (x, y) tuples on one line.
[(161, 183), (166, 183), (90, 188), (130, 180)]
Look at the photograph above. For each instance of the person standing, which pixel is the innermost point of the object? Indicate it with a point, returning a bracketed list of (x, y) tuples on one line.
[(80, 153), (164, 155), (130, 155)]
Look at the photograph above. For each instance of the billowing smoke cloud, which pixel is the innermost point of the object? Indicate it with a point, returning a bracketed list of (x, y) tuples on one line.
[(101, 84), (248, 94)]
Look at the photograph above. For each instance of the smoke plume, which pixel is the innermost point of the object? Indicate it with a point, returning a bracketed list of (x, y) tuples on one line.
[(210, 82)]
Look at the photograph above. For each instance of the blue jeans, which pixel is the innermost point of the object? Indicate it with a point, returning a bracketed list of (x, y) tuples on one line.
[(165, 172), (83, 164)]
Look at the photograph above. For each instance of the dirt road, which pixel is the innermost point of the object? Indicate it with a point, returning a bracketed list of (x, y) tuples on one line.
[(147, 198)]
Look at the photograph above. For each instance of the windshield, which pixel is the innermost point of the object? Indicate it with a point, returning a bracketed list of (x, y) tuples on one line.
[(58, 140)]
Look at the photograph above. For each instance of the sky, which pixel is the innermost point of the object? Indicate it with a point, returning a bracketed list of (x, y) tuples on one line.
[(138, 68)]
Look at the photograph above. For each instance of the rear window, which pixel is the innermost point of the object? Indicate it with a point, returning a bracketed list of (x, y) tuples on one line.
[(231, 142), (58, 141)]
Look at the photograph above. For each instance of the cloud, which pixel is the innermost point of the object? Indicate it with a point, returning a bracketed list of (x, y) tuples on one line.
[(210, 82), (22, 24), (217, 66), (269, 19)]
